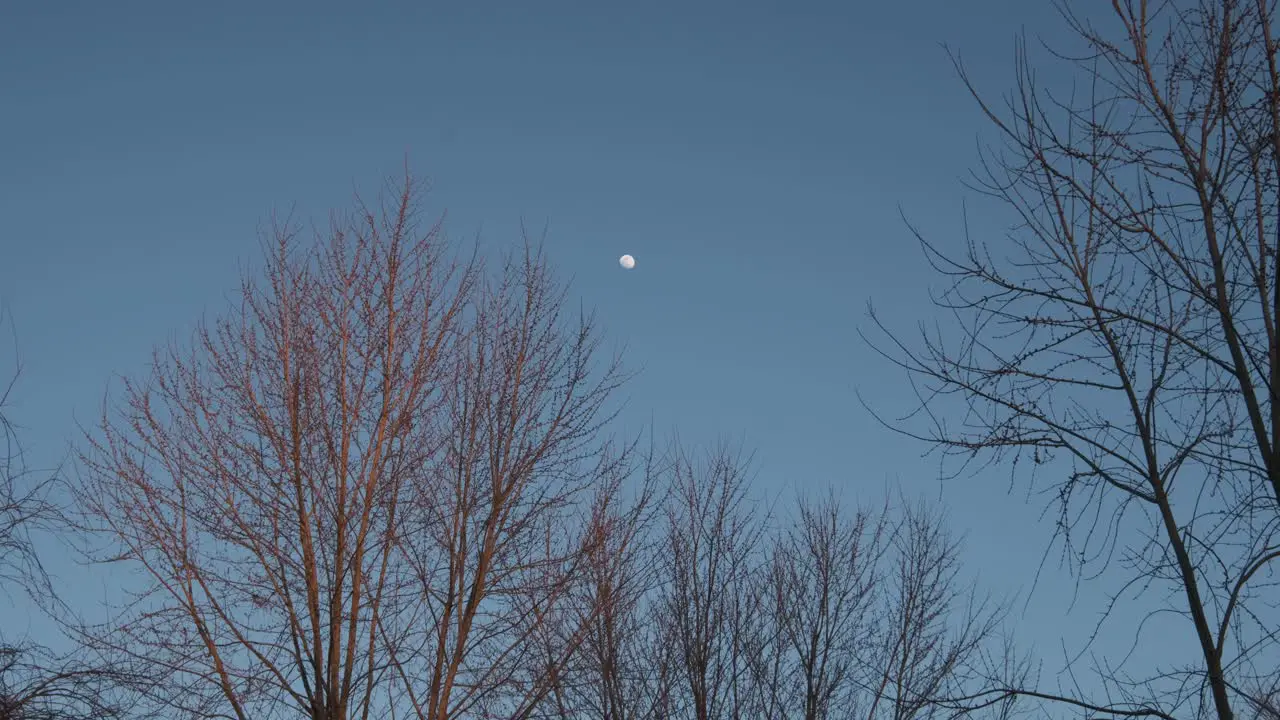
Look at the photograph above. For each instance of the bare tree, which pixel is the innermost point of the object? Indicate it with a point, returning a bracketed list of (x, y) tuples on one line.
[(37, 683), (711, 613), (26, 504), (821, 594), (1123, 340), (868, 616), (516, 517), (623, 669), (934, 627), (365, 492), (707, 608)]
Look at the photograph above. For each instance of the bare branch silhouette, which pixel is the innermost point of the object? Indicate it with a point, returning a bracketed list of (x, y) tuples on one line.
[(1121, 344), (37, 683)]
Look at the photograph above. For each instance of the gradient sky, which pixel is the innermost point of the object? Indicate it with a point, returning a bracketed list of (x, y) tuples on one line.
[(751, 156)]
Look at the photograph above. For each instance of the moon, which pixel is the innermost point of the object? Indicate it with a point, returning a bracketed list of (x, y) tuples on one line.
[(627, 262)]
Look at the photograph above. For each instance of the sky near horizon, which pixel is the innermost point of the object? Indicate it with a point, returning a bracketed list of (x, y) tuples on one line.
[(752, 156)]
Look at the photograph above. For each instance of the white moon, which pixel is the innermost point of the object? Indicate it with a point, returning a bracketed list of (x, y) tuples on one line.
[(627, 262)]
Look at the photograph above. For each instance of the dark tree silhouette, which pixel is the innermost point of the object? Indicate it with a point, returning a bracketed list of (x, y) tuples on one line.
[(1121, 342), (722, 610), (37, 683)]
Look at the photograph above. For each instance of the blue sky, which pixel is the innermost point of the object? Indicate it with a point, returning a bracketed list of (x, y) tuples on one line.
[(751, 156)]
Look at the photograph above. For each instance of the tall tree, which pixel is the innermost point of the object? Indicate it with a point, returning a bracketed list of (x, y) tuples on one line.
[(624, 671), (368, 489), (867, 616), (1122, 339), (822, 587), (707, 607), (834, 612)]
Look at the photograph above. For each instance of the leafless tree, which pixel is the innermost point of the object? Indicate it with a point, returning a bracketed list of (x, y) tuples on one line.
[(822, 587), (26, 504), (1122, 340), (719, 610), (369, 490), (707, 608), (623, 670), (37, 683), (935, 627), (868, 616)]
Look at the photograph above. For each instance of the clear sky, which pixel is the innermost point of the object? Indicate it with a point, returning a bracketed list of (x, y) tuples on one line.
[(751, 156)]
